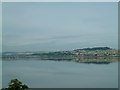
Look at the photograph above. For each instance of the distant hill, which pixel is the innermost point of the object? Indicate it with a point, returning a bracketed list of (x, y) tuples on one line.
[(88, 55), (95, 51), (96, 48)]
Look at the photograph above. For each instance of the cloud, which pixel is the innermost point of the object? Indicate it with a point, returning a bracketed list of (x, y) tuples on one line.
[(53, 26)]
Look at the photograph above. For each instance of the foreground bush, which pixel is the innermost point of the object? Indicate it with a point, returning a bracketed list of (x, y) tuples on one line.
[(15, 84)]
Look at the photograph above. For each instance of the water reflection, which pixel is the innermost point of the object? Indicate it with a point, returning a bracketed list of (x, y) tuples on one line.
[(86, 60), (0, 73), (38, 73)]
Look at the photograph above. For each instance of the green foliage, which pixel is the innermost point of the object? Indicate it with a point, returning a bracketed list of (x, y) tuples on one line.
[(15, 84)]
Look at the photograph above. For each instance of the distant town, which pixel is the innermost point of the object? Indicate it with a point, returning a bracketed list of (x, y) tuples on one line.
[(79, 55)]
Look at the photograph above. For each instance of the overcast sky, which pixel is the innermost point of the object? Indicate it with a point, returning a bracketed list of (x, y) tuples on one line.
[(0, 27), (59, 26)]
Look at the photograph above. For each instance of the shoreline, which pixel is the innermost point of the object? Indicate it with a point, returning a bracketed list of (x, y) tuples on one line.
[(96, 54)]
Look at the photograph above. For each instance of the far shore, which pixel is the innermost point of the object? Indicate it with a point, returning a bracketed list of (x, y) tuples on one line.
[(96, 54)]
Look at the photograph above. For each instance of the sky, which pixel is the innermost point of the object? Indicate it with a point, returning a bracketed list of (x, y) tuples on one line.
[(60, 0), (0, 27), (59, 26)]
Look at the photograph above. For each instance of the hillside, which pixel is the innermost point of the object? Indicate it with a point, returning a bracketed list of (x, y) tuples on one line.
[(85, 52)]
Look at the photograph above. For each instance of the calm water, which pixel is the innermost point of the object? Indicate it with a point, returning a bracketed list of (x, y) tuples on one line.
[(0, 74), (61, 74)]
